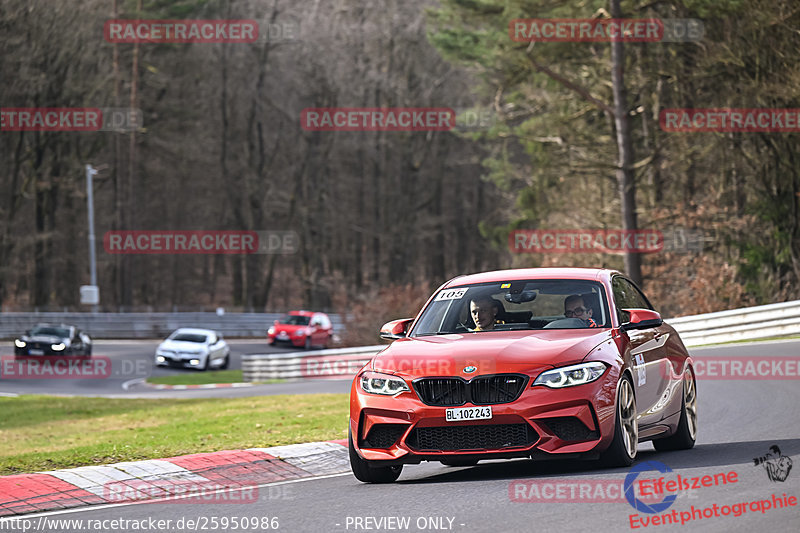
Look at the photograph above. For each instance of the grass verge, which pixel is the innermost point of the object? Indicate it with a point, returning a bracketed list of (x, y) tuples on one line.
[(48, 432), (199, 378)]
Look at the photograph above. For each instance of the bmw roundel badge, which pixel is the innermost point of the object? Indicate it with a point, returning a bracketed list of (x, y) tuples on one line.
[(470, 369)]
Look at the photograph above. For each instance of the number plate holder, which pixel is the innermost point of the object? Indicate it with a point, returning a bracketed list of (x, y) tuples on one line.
[(461, 414)]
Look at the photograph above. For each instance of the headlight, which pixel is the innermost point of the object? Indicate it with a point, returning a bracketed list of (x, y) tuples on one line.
[(58, 347), (20, 344), (160, 359), (376, 383), (194, 362), (300, 332), (569, 376), (271, 331)]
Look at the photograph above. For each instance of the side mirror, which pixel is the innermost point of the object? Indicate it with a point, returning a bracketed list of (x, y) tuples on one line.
[(396, 329), (641, 319)]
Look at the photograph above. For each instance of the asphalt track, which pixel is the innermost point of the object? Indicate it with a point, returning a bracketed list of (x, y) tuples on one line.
[(131, 363), (738, 421)]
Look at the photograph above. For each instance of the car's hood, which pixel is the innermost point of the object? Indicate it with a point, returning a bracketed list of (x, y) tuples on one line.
[(489, 352), (182, 346), (45, 339)]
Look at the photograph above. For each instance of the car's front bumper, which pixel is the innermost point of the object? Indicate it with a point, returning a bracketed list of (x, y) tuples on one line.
[(542, 422), (292, 340), (180, 361), (37, 349)]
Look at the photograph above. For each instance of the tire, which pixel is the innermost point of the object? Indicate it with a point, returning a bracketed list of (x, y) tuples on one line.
[(307, 345), (363, 471), (686, 434), (622, 451), (226, 362), (457, 461), (205, 363)]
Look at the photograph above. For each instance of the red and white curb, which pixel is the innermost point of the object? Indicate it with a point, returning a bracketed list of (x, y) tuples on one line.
[(232, 475)]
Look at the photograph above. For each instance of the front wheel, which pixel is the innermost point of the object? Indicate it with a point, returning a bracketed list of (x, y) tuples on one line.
[(370, 474), (225, 362), (622, 451), (686, 434), (307, 345)]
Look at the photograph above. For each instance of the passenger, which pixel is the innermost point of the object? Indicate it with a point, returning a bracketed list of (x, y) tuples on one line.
[(484, 311), (575, 308)]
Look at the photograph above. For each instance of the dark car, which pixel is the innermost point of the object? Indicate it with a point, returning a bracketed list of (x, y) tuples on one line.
[(49, 339)]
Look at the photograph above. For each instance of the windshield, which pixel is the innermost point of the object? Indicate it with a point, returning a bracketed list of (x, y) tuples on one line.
[(188, 337), (295, 320), (515, 305), (48, 330)]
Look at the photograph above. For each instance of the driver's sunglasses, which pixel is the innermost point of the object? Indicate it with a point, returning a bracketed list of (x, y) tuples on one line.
[(575, 312)]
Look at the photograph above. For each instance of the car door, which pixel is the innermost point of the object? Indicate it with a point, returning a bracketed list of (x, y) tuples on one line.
[(317, 332), (648, 354)]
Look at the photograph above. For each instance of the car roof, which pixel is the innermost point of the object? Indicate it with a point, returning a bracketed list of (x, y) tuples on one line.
[(302, 313), (597, 274), (197, 331)]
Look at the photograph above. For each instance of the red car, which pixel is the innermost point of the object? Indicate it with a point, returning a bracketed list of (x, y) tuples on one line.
[(301, 329), (541, 363)]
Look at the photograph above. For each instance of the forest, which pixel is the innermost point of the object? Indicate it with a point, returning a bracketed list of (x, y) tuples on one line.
[(549, 135)]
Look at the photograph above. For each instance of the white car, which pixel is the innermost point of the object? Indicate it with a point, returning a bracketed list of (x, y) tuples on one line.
[(194, 348)]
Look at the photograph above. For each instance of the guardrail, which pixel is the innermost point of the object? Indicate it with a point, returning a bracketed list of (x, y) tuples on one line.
[(336, 363), (148, 325), (752, 323)]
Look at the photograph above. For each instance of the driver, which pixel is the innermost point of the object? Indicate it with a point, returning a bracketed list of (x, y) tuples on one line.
[(484, 311), (575, 308)]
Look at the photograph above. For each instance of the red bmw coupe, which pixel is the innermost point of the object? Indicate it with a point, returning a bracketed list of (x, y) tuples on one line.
[(541, 363)]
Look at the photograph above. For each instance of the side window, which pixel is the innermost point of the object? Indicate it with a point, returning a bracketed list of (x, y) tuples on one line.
[(627, 296)]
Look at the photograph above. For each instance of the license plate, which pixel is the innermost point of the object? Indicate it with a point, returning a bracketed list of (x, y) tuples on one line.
[(36, 352), (468, 413), (283, 335)]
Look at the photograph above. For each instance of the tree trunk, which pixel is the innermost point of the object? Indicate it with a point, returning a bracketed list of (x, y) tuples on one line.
[(626, 181)]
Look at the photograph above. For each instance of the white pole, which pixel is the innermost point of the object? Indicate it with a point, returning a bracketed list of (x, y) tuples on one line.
[(90, 201)]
